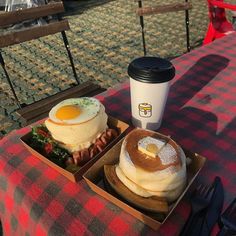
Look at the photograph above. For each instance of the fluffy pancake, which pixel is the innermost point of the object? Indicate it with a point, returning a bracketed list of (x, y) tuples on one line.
[(80, 135), (146, 175)]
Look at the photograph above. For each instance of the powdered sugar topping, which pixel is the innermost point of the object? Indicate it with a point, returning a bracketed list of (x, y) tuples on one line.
[(167, 155)]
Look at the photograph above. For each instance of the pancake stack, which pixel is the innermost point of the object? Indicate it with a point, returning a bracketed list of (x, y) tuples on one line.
[(152, 164)]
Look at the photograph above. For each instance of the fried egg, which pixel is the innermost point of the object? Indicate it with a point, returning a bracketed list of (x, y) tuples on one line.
[(74, 111)]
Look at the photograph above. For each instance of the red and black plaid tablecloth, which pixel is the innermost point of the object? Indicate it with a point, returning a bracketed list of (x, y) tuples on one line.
[(199, 115)]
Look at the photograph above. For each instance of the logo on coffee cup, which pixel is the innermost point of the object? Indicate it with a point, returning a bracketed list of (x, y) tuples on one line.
[(145, 109)]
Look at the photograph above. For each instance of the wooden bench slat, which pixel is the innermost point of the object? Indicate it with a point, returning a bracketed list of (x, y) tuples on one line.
[(163, 8), (24, 35), (40, 109), (13, 17)]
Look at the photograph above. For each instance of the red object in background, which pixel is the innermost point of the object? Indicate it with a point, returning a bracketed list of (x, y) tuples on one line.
[(218, 26)]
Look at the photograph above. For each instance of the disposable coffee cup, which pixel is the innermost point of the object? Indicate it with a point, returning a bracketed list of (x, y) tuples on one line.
[(149, 87)]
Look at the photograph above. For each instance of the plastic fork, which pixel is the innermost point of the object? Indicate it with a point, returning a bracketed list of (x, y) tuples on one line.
[(199, 202), (228, 218)]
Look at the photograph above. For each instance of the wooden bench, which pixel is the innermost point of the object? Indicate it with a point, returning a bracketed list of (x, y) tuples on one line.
[(39, 109)]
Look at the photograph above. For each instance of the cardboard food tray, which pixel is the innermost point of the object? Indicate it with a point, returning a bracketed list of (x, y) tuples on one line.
[(112, 122), (95, 174)]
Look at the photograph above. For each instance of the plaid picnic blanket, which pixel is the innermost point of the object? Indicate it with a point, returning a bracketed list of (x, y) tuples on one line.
[(199, 115)]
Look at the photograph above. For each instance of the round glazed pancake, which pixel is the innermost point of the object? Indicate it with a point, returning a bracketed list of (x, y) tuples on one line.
[(146, 162), (159, 171)]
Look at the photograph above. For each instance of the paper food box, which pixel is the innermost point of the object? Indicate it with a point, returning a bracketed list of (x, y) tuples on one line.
[(95, 179), (75, 174)]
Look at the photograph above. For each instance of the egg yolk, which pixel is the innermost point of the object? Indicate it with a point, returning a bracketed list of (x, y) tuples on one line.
[(68, 112)]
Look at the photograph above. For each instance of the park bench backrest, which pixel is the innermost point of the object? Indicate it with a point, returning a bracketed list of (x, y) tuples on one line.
[(142, 11), (12, 37)]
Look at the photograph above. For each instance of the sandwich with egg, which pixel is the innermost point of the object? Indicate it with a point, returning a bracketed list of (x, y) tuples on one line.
[(76, 127)]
